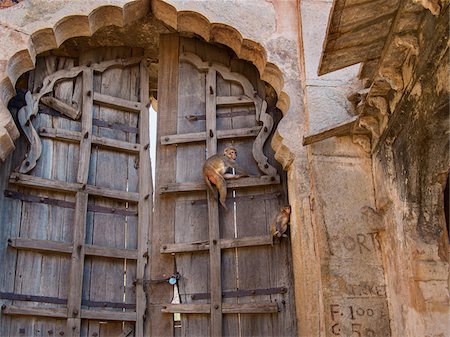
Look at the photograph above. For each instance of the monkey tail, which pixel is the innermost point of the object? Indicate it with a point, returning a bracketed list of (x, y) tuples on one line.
[(222, 187), (208, 183)]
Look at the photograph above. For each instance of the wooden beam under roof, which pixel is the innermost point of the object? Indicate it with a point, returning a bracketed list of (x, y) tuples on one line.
[(356, 32)]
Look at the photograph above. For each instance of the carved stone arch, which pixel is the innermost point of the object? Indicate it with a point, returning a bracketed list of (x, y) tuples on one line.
[(41, 37)]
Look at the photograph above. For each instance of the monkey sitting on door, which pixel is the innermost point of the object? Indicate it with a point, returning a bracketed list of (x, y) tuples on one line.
[(280, 222), (219, 167)]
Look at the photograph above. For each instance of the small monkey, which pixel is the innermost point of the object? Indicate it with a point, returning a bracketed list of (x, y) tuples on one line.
[(280, 222), (217, 168)]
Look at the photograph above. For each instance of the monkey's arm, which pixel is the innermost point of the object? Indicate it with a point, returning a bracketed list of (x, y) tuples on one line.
[(239, 172)]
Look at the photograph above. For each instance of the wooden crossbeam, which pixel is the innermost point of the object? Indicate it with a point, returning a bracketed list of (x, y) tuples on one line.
[(238, 183), (34, 311), (201, 136), (227, 308), (118, 253), (117, 103), (67, 248), (56, 300), (40, 245), (232, 101), (75, 136), (62, 186), (61, 107), (341, 129), (103, 315), (223, 244)]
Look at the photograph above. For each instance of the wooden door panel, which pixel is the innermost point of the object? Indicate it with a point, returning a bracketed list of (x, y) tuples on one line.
[(79, 245), (230, 281)]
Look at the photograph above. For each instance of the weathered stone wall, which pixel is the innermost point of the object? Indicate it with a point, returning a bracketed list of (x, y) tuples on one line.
[(353, 291), (410, 177)]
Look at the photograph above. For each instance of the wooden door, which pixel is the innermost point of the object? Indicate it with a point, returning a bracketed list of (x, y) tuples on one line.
[(234, 280), (77, 210)]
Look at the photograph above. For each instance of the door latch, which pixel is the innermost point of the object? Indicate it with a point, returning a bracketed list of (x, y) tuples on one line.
[(172, 280)]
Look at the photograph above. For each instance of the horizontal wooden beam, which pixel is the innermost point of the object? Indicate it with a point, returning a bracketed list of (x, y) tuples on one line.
[(223, 244), (201, 136), (238, 183), (66, 248), (242, 293), (116, 103), (341, 129), (250, 308), (75, 136), (103, 315), (227, 308), (118, 253), (41, 245), (57, 300), (61, 107), (115, 144), (62, 186), (262, 240), (230, 101), (114, 194), (184, 247), (26, 180), (34, 311)]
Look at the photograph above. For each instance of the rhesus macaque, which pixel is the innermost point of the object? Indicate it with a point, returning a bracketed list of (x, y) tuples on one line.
[(219, 167), (280, 222)]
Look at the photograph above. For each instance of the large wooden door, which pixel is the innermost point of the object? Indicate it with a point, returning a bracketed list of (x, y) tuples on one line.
[(77, 211), (234, 280)]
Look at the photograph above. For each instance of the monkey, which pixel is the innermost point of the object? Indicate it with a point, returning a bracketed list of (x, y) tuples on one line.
[(280, 222), (219, 167)]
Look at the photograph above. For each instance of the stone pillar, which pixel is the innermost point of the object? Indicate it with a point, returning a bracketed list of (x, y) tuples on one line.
[(345, 221)]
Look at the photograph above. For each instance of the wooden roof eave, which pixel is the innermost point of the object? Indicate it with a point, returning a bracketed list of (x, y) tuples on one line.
[(337, 52)]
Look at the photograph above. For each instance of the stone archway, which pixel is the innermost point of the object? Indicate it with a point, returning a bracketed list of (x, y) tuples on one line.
[(24, 38)]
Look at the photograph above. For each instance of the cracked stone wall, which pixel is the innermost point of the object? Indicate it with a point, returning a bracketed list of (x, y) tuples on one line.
[(349, 272)]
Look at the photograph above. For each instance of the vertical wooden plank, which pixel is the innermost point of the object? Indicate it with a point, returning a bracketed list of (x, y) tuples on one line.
[(191, 217), (107, 280), (76, 270), (227, 219), (10, 214), (145, 197), (79, 228), (251, 220), (281, 274), (86, 129), (213, 212), (161, 324), (211, 136)]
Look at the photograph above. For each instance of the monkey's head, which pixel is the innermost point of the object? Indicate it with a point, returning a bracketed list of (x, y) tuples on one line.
[(230, 152), (286, 209)]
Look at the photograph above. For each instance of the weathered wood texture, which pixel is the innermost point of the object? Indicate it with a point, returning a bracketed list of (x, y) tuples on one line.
[(216, 251), (356, 32), (79, 222), (162, 266)]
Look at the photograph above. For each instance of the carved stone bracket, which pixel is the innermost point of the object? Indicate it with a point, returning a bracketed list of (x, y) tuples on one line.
[(30, 110)]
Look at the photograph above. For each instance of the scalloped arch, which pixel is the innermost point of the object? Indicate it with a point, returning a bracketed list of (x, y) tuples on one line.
[(76, 25)]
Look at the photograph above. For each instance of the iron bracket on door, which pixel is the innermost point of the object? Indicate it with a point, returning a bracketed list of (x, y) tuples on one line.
[(172, 280)]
